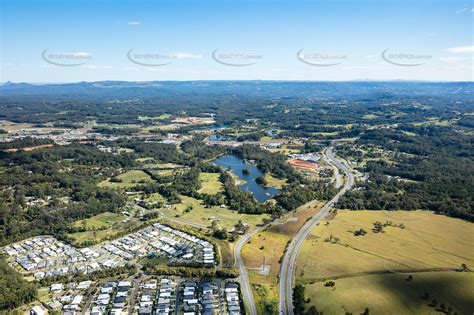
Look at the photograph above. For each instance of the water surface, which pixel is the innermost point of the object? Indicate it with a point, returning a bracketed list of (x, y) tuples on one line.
[(261, 193)]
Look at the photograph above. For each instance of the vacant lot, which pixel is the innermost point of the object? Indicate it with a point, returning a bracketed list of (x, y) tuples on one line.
[(376, 265), (11, 126), (155, 197), (210, 183), (393, 294), (128, 179), (269, 245), (427, 241), (101, 227), (201, 215), (100, 221), (274, 182)]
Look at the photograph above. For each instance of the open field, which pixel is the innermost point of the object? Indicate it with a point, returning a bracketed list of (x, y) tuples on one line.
[(103, 233), (274, 182), (145, 159), (201, 215), (160, 117), (271, 244), (171, 126), (162, 166), (210, 183), (100, 221), (155, 197), (284, 149), (11, 126), (427, 241), (129, 179), (376, 265), (194, 120), (393, 294)]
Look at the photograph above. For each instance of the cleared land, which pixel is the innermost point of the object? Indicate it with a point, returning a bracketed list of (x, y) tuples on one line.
[(393, 294), (270, 245), (101, 227), (210, 183), (373, 264), (155, 197), (11, 126), (128, 179), (100, 221), (204, 216), (274, 182)]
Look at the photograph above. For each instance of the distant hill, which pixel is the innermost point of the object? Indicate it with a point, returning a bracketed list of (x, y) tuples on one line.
[(266, 89)]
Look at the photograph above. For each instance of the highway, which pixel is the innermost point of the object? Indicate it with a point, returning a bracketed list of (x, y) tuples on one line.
[(287, 268), (244, 278)]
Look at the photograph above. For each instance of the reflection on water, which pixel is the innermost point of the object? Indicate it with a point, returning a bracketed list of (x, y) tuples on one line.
[(236, 164)]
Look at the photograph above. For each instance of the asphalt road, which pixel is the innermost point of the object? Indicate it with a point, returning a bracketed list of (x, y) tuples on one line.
[(246, 289), (287, 268)]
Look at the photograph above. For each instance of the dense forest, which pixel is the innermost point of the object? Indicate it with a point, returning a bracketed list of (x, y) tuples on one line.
[(65, 178), (14, 290), (428, 167)]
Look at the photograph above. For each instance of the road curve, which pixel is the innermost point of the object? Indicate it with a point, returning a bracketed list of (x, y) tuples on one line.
[(244, 278), (287, 268), (246, 289)]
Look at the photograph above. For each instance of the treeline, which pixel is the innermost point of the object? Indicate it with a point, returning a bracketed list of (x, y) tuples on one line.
[(14, 290), (191, 272), (266, 161), (433, 170), (300, 301), (44, 191), (24, 143), (297, 194), (124, 131)]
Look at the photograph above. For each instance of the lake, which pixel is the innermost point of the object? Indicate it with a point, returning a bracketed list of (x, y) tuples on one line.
[(236, 164)]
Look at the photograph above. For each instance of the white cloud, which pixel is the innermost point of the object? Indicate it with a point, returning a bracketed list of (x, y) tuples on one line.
[(461, 49), (134, 23), (462, 10), (465, 9)]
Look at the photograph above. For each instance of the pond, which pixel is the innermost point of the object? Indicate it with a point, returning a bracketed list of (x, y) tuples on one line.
[(261, 193)]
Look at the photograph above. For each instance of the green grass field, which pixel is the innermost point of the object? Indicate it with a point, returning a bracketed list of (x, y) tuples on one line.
[(100, 221), (210, 183), (129, 179), (145, 159), (427, 241), (101, 227), (393, 294), (270, 245), (11, 126), (370, 264), (274, 182), (199, 214), (155, 197)]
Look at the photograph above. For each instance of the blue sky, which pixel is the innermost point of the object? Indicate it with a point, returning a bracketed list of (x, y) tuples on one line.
[(70, 41)]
